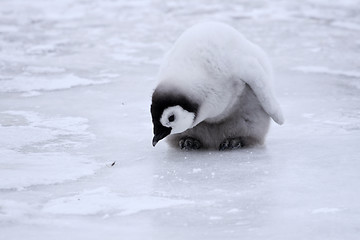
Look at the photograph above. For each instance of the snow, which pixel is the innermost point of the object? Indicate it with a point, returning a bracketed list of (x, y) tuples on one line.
[(104, 200), (326, 70), (325, 210), (32, 144), (76, 79), (31, 84)]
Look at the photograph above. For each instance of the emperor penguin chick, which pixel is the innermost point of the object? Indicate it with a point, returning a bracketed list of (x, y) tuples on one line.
[(214, 91)]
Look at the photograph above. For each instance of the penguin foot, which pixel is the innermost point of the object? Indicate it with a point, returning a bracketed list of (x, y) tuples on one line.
[(230, 144), (188, 143)]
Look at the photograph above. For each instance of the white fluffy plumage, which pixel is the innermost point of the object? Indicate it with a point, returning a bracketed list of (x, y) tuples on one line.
[(228, 78)]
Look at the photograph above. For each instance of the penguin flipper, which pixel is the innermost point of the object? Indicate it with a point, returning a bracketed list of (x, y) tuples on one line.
[(259, 81)]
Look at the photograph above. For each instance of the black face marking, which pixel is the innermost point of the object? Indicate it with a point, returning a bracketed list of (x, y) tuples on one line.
[(161, 100), (172, 118)]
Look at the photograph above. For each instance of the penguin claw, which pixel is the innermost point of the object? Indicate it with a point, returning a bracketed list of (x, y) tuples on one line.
[(189, 144), (230, 144)]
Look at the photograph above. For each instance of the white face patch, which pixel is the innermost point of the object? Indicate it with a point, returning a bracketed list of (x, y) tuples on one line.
[(177, 118)]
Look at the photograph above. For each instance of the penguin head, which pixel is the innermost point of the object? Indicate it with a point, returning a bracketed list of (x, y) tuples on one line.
[(171, 113)]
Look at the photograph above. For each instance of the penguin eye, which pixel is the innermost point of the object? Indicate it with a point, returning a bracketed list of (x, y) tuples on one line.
[(172, 118)]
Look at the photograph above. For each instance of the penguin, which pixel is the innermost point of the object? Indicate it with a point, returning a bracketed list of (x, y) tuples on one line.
[(214, 91)]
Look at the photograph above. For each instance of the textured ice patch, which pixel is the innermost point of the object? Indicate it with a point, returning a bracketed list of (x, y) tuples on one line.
[(43, 70), (34, 149), (196, 170), (102, 200), (8, 29), (30, 84), (233, 210), (23, 130), (326, 70), (14, 210), (19, 136), (19, 170), (325, 210), (346, 25), (132, 59)]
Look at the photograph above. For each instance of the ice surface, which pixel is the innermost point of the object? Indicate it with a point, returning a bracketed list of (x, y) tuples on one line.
[(29, 84), (104, 200), (76, 79)]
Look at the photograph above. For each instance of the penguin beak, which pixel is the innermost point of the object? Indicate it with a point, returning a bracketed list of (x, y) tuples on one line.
[(160, 135)]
